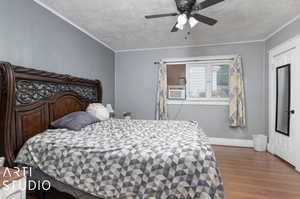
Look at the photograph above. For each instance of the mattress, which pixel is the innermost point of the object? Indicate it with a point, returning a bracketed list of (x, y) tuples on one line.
[(129, 159)]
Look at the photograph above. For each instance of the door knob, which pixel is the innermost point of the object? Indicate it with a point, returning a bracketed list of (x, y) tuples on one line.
[(292, 111)]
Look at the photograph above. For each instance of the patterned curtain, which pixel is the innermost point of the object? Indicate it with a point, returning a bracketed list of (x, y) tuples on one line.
[(161, 98), (237, 111)]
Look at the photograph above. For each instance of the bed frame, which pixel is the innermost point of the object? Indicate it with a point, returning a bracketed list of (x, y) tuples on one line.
[(31, 99)]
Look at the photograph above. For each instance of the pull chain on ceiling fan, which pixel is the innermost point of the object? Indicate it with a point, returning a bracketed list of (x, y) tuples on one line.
[(188, 12)]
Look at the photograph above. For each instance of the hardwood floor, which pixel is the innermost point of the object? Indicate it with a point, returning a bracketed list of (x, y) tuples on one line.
[(256, 175), (251, 175)]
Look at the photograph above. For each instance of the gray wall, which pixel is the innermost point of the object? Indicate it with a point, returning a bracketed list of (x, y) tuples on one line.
[(32, 36), (136, 77)]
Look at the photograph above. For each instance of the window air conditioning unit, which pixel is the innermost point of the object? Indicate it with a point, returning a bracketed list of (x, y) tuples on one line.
[(176, 92)]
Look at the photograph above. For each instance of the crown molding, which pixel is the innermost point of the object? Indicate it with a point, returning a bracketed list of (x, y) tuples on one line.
[(73, 24), (191, 46), (282, 27)]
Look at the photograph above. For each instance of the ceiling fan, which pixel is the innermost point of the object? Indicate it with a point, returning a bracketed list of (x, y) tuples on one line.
[(188, 13)]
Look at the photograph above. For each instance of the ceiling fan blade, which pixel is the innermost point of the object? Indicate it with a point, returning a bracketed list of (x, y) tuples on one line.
[(174, 29), (206, 4), (204, 19), (161, 15)]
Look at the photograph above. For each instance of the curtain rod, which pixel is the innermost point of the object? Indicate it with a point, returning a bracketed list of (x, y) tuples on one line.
[(169, 62)]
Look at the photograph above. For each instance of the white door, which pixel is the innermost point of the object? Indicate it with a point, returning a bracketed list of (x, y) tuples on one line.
[(285, 143)]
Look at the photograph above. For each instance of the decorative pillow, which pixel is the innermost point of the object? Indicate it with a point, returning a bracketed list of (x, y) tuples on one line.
[(75, 121), (98, 110)]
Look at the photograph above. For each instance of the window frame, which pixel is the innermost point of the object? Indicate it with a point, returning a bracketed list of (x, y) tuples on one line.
[(204, 100)]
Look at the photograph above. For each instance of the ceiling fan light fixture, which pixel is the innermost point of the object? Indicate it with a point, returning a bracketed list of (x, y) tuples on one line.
[(180, 26), (182, 19), (193, 22), (188, 13)]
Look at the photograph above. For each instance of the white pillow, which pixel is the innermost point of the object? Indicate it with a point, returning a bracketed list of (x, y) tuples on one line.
[(98, 110)]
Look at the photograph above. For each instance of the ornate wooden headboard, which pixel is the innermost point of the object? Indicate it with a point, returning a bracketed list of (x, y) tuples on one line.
[(31, 99)]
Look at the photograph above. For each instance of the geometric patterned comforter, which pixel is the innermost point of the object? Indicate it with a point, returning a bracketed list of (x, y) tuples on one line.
[(123, 159)]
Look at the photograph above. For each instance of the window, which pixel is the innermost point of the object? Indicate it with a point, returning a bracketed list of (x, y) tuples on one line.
[(203, 82), (176, 74)]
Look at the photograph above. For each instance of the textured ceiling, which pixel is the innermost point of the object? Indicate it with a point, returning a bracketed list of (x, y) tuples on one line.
[(121, 24)]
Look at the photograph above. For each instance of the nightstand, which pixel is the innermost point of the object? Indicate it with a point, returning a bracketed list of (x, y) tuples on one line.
[(12, 184)]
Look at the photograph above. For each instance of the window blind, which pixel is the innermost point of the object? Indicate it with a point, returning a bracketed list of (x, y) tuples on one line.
[(197, 80)]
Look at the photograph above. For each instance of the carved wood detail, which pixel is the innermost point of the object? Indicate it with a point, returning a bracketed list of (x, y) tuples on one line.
[(29, 91)]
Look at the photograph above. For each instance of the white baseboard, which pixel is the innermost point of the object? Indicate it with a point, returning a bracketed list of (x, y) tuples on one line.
[(231, 142), (270, 148)]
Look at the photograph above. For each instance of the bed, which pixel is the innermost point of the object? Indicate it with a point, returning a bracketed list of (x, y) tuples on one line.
[(109, 159)]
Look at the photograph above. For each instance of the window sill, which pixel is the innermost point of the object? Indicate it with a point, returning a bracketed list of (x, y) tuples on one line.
[(199, 102)]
